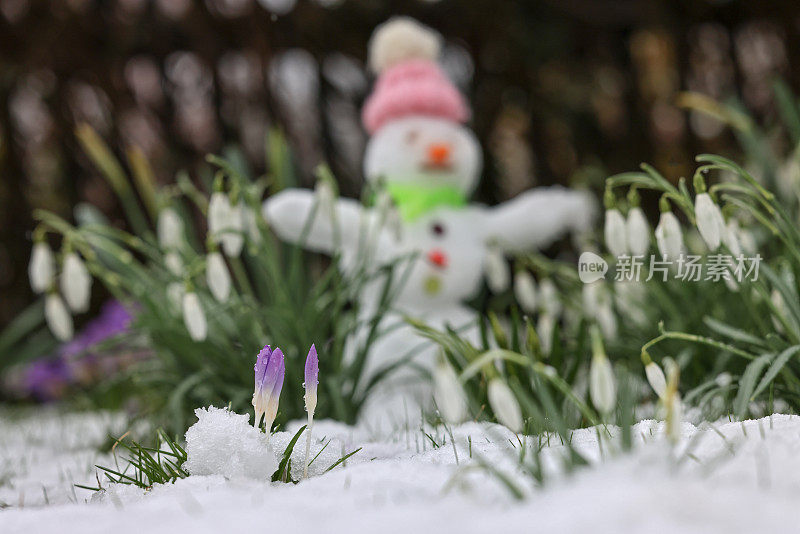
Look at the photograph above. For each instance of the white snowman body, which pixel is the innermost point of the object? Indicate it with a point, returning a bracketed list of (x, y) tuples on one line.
[(439, 249)]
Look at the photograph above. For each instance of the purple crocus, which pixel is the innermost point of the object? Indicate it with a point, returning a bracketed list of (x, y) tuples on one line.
[(269, 371)]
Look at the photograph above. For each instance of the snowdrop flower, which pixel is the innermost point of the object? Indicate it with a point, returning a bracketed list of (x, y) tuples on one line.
[(637, 232), (615, 233), (217, 276), (497, 275), (448, 393), (655, 376), (607, 320), (669, 236), (251, 225), (226, 223), (710, 223), (193, 317), (42, 268), (325, 194), (544, 329), (730, 237), (169, 228), (310, 384), (58, 318), (174, 263), (602, 385), (549, 301), (76, 283), (269, 371), (175, 295), (591, 296), (505, 405), (525, 291)]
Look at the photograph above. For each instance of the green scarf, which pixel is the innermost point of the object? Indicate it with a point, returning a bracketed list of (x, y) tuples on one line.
[(414, 199)]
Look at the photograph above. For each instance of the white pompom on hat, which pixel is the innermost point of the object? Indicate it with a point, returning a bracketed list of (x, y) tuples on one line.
[(399, 39)]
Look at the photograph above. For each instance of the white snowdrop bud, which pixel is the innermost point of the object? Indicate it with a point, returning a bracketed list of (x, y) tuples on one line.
[(730, 237), (656, 378), (175, 295), (607, 320), (76, 283), (549, 301), (525, 291), (217, 276), (226, 223), (174, 263), (591, 298), (497, 275), (780, 307), (638, 232), (615, 233), (448, 394), (251, 225), (602, 386), (710, 223), (42, 268), (169, 228), (58, 318), (505, 405), (544, 329), (325, 196), (669, 236), (193, 317)]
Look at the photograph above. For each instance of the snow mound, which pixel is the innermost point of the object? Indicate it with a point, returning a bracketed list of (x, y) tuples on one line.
[(224, 443)]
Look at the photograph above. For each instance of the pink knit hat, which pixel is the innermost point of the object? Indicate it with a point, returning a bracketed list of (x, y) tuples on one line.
[(413, 87)]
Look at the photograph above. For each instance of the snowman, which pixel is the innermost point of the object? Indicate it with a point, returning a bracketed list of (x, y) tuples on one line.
[(422, 158)]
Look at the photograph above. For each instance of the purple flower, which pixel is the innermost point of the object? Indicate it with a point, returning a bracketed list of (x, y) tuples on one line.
[(311, 380), (269, 371)]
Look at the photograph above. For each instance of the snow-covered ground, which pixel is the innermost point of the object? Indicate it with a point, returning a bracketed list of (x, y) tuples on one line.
[(732, 477)]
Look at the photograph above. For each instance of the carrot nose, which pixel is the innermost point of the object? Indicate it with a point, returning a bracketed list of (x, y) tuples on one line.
[(439, 153), (437, 257)]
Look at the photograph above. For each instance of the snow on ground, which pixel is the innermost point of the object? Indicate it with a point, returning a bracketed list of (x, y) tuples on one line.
[(729, 477)]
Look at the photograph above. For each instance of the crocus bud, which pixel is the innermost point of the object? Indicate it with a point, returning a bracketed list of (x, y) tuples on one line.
[(193, 317), (710, 223), (311, 380), (497, 275), (448, 394), (269, 371), (58, 318), (669, 236), (42, 268), (525, 291), (602, 386), (505, 405), (76, 283), (217, 276), (174, 263), (615, 233), (637, 232), (169, 228)]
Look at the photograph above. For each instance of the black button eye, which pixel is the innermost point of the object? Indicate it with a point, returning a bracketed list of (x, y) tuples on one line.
[(437, 229)]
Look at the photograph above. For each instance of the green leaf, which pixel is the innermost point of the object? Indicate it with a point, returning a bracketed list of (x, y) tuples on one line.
[(733, 333), (282, 474), (774, 369), (747, 383)]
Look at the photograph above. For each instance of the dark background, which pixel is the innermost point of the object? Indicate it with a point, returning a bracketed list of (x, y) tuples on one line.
[(561, 90)]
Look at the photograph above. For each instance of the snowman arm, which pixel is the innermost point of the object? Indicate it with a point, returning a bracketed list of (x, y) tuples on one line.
[(296, 217), (536, 218)]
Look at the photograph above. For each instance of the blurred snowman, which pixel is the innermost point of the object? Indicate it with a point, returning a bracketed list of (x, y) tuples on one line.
[(425, 164)]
